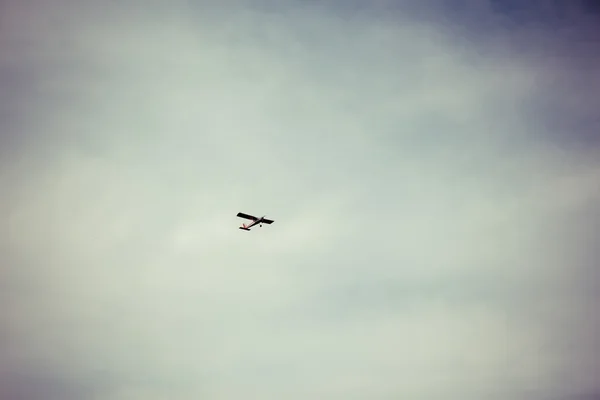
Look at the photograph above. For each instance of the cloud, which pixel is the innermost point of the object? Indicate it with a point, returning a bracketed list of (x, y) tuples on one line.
[(434, 225)]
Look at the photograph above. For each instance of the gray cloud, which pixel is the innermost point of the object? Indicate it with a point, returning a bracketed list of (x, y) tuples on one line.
[(435, 226)]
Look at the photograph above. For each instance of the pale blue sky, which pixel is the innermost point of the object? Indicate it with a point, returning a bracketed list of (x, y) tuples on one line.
[(433, 176)]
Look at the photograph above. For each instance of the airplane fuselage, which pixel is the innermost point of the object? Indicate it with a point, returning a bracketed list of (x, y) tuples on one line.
[(254, 223)]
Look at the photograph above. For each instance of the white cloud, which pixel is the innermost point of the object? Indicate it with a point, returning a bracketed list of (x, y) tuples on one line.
[(416, 249)]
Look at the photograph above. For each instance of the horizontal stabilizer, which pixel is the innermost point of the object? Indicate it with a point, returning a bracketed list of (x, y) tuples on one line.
[(246, 229)]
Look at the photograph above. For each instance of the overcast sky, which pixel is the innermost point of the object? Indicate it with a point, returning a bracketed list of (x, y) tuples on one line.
[(433, 172)]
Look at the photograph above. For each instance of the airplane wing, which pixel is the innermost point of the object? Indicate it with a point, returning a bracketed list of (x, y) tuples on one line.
[(267, 221), (247, 216)]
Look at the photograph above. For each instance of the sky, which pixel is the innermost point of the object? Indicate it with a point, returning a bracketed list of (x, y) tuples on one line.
[(433, 170)]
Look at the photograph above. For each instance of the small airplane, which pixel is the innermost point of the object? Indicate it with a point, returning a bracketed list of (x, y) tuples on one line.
[(255, 221)]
